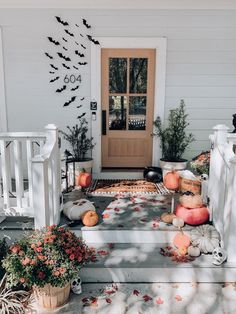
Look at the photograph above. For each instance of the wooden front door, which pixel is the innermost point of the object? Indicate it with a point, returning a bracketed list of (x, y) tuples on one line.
[(127, 107)]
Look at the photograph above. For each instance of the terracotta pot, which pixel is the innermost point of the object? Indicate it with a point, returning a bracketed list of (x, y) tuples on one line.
[(50, 297)]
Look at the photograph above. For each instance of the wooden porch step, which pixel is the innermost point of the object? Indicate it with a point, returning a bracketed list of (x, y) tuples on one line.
[(126, 262)]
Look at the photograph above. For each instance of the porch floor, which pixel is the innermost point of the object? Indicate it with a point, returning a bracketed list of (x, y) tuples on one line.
[(163, 298)]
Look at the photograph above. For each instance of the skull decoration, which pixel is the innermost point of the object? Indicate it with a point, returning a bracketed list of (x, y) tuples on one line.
[(204, 177), (76, 285), (219, 256)]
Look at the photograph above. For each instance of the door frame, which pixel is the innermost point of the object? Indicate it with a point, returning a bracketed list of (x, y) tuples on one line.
[(160, 44)]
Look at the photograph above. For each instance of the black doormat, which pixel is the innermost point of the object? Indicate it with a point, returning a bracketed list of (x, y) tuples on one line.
[(126, 187)]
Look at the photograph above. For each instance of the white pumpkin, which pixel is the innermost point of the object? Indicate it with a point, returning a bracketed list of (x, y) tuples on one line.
[(178, 222), (74, 210), (194, 251), (206, 237)]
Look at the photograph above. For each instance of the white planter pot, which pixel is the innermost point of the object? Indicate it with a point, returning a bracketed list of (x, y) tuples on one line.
[(171, 165), (79, 166)]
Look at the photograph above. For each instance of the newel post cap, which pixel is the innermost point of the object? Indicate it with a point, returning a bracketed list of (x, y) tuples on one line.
[(220, 127)]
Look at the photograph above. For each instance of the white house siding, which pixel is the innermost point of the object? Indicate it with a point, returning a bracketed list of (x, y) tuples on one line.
[(201, 63)]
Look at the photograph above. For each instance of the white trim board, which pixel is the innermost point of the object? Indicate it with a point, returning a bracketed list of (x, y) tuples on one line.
[(121, 4), (160, 44), (3, 109)]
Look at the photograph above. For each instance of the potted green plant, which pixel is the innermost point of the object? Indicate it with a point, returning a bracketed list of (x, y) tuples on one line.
[(47, 260), (80, 145), (174, 138)]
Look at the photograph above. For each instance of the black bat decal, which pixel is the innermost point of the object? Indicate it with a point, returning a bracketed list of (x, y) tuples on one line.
[(51, 72), (53, 66), (81, 35), (63, 57), (82, 46), (96, 42), (55, 79), (76, 43), (59, 20), (56, 43), (82, 98), (74, 88), (59, 90), (86, 24), (66, 30), (82, 115), (64, 39), (79, 106), (82, 63), (69, 101), (65, 48), (48, 55), (75, 67), (77, 25), (79, 53), (65, 66)]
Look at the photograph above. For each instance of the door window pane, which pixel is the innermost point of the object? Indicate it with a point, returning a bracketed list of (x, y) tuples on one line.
[(137, 112), (117, 112), (138, 75), (117, 75)]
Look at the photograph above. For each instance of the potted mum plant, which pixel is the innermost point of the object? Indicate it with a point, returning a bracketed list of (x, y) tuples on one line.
[(47, 260), (174, 138)]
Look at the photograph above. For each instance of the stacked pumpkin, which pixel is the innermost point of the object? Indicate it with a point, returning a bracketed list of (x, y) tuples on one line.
[(191, 209)]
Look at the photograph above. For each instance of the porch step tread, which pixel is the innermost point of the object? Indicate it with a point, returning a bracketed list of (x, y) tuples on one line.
[(143, 255)]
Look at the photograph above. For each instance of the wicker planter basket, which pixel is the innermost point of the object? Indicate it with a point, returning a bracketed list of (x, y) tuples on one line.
[(50, 297)]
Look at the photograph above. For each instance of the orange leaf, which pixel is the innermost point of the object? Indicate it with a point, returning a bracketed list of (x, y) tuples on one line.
[(178, 297), (159, 301)]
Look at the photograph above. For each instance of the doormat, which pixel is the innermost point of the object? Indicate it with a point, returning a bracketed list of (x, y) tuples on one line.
[(126, 187)]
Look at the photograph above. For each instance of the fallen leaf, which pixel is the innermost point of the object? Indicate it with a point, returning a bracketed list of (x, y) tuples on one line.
[(178, 298), (136, 292), (105, 216), (116, 209), (159, 301), (111, 245), (147, 298), (108, 300), (103, 252)]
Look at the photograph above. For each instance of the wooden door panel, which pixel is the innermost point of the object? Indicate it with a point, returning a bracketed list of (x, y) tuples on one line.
[(129, 107)]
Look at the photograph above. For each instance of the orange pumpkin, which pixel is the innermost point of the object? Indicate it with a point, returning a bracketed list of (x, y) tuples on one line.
[(171, 180), (90, 218), (192, 216), (84, 179), (181, 240)]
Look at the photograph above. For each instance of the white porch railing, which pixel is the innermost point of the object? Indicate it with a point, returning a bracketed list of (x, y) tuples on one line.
[(35, 158), (222, 187)]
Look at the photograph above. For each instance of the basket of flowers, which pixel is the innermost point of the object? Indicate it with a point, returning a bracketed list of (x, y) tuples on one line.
[(47, 260)]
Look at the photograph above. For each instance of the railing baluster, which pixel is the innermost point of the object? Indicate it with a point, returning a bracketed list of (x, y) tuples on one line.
[(18, 172), (5, 162), (29, 149)]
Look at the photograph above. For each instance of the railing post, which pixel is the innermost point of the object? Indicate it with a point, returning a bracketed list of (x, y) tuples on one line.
[(231, 228), (40, 191), (54, 173), (216, 190)]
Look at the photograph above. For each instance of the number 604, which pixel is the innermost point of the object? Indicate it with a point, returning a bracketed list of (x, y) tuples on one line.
[(72, 79)]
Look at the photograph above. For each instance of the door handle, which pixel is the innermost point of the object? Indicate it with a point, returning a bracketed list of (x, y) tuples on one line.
[(104, 122)]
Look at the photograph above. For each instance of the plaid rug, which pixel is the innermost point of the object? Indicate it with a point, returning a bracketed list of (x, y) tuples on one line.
[(126, 187)]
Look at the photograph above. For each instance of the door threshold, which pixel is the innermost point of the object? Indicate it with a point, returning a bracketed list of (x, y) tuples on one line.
[(126, 169)]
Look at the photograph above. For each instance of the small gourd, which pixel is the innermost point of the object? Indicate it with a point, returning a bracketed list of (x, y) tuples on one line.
[(178, 222), (90, 218), (183, 250), (84, 179), (194, 251), (181, 240), (171, 180), (167, 217)]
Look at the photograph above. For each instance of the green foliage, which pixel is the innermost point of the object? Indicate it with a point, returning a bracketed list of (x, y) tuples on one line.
[(77, 138), (53, 255), (174, 138), (201, 163), (3, 252)]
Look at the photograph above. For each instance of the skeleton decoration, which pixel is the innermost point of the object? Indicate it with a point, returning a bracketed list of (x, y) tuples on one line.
[(219, 256), (204, 177), (76, 285)]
